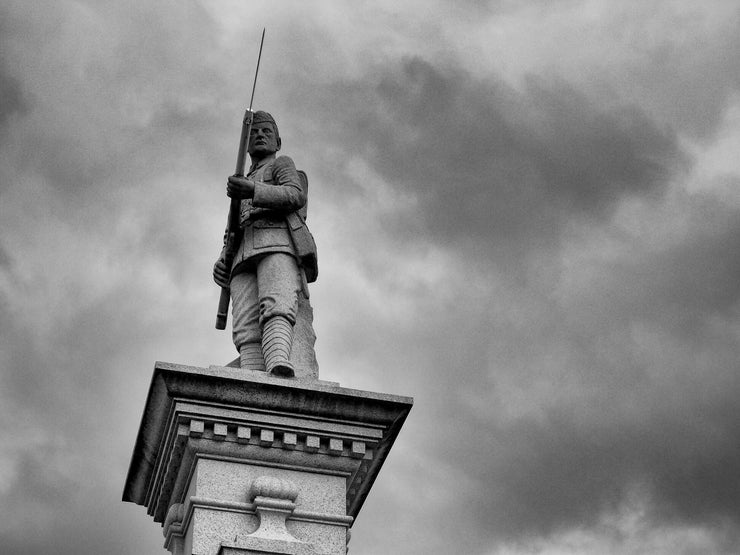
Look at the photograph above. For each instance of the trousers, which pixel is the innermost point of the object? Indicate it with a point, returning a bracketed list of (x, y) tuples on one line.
[(268, 289)]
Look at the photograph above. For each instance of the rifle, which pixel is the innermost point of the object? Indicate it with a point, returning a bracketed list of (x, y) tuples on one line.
[(232, 227)]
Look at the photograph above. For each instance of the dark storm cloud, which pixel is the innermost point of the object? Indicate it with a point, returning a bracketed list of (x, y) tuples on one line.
[(66, 454), (104, 108), (593, 158), (12, 97), (638, 366), (542, 477), (682, 285), (5, 260), (542, 404), (644, 404), (12, 100), (701, 277), (490, 163), (93, 96), (690, 74), (562, 472)]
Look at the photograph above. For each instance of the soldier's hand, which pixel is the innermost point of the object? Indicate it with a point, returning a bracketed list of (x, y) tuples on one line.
[(240, 187), (221, 273)]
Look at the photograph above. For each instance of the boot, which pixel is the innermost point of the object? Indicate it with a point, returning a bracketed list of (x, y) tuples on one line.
[(250, 357), (277, 341)]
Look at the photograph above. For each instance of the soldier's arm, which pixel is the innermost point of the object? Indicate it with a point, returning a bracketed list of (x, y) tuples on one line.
[(285, 193)]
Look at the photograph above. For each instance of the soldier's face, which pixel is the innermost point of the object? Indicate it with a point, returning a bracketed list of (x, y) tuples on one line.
[(263, 140)]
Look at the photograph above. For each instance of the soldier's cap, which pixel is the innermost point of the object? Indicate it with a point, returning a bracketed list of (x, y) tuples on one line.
[(264, 117)]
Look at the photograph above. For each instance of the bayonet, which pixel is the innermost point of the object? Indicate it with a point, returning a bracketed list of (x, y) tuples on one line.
[(232, 229)]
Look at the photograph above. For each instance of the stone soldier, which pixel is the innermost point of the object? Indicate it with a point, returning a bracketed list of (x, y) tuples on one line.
[(276, 257)]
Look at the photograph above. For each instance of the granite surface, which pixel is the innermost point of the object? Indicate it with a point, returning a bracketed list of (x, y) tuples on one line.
[(229, 460)]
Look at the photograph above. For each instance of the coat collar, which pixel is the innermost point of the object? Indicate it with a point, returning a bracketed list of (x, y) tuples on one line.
[(261, 163)]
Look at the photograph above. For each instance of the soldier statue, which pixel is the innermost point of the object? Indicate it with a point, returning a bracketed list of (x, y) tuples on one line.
[(275, 258)]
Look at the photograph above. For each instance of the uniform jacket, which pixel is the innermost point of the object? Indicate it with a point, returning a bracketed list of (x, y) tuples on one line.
[(274, 220)]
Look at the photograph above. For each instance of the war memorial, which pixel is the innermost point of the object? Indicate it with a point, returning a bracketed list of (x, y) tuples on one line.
[(261, 456)]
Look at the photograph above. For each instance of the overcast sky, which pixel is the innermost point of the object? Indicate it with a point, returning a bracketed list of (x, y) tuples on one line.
[(527, 216)]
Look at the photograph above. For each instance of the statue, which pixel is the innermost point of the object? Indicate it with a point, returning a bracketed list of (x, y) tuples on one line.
[(269, 267)]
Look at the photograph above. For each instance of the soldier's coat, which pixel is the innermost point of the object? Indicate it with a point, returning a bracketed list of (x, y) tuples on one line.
[(274, 220)]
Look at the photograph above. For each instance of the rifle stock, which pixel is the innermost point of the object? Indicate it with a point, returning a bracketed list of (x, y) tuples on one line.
[(232, 227)]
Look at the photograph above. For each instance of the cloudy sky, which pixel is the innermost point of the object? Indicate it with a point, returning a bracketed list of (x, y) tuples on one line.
[(528, 219)]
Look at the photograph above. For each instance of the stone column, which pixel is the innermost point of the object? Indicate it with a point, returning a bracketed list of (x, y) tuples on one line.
[(237, 462)]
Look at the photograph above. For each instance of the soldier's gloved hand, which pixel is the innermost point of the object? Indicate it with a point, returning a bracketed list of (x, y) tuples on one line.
[(221, 273), (240, 187)]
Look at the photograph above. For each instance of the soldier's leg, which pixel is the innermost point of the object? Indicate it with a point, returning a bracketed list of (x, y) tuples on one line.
[(279, 284), (246, 333)]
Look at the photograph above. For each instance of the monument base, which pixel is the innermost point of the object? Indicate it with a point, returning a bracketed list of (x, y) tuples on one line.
[(234, 462)]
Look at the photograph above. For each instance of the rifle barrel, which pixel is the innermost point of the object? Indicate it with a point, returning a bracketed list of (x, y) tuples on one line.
[(234, 206)]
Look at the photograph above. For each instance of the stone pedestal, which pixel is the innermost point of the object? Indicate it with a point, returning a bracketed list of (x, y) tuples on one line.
[(233, 462)]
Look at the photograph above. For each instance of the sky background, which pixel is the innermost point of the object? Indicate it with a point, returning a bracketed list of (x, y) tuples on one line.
[(527, 216)]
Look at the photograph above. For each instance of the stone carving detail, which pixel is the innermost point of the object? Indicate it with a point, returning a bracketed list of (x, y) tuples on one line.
[(175, 516), (281, 439), (276, 488), (215, 439), (363, 452), (273, 500)]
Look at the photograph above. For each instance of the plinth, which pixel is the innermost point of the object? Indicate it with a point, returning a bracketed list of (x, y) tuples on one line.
[(233, 462)]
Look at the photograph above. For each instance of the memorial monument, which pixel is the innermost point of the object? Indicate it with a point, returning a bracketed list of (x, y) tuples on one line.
[(269, 267), (261, 456)]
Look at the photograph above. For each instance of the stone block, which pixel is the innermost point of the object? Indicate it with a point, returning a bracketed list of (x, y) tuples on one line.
[(313, 443), (357, 449), (290, 440), (197, 427), (336, 446), (243, 433), (267, 438), (217, 447), (220, 430)]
